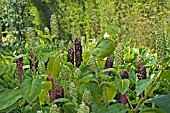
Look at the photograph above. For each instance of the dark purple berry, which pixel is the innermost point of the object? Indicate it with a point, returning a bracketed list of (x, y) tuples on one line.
[(123, 99), (78, 52), (70, 55), (125, 74), (141, 72), (108, 64), (19, 67)]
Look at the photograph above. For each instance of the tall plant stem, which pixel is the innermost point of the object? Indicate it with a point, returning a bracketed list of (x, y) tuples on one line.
[(147, 93), (129, 102)]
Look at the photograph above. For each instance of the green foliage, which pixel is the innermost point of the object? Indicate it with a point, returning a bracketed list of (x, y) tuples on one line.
[(104, 48), (9, 97), (54, 67), (162, 102), (142, 85), (122, 85), (57, 85), (30, 89)]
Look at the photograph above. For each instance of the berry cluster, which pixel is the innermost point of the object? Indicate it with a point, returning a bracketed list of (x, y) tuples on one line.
[(108, 64), (70, 55), (141, 72), (53, 90), (19, 67), (78, 52), (123, 99)]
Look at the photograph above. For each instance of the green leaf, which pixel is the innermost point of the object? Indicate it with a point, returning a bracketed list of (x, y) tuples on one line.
[(53, 67), (154, 110), (60, 100), (122, 85), (47, 85), (43, 96), (99, 108), (109, 91), (9, 97), (104, 48), (162, 102), (2, 68), (64, 83), (142, 85), (10, 69), (30, 89), (116, 108), (47, 37), (86, 56), (110, 69), (8, 109), (19, 56), (69, 107)]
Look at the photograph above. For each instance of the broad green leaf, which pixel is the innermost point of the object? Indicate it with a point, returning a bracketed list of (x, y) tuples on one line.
[(94, 89), (104, 77), (116, 108), (42, 56), (9, 109), (53, 67), (142, 85), (2, 68), (122, 85), (69, 107), (10, 69), (47, 37), (30, 89), (104, 48), (154, 110), (47, 85), (43, 96), (60, 100), (87, 78), (19, 56), (86, 56), (99, 108), (9, 97), (64, 83), (109, 91), (162, 102), (110, 69)]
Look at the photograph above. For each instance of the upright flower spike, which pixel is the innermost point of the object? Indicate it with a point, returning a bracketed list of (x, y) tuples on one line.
[(54, 109), (19, 67), (78, 52), (123, 99), (160, 45), (93, 64), (73, 92), (31, 38), (54, 26), (83, 108), (119, 55), (87, 98), (70, 55)]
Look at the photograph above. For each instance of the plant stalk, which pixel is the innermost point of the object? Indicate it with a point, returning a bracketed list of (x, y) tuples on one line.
[(147, 93)]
